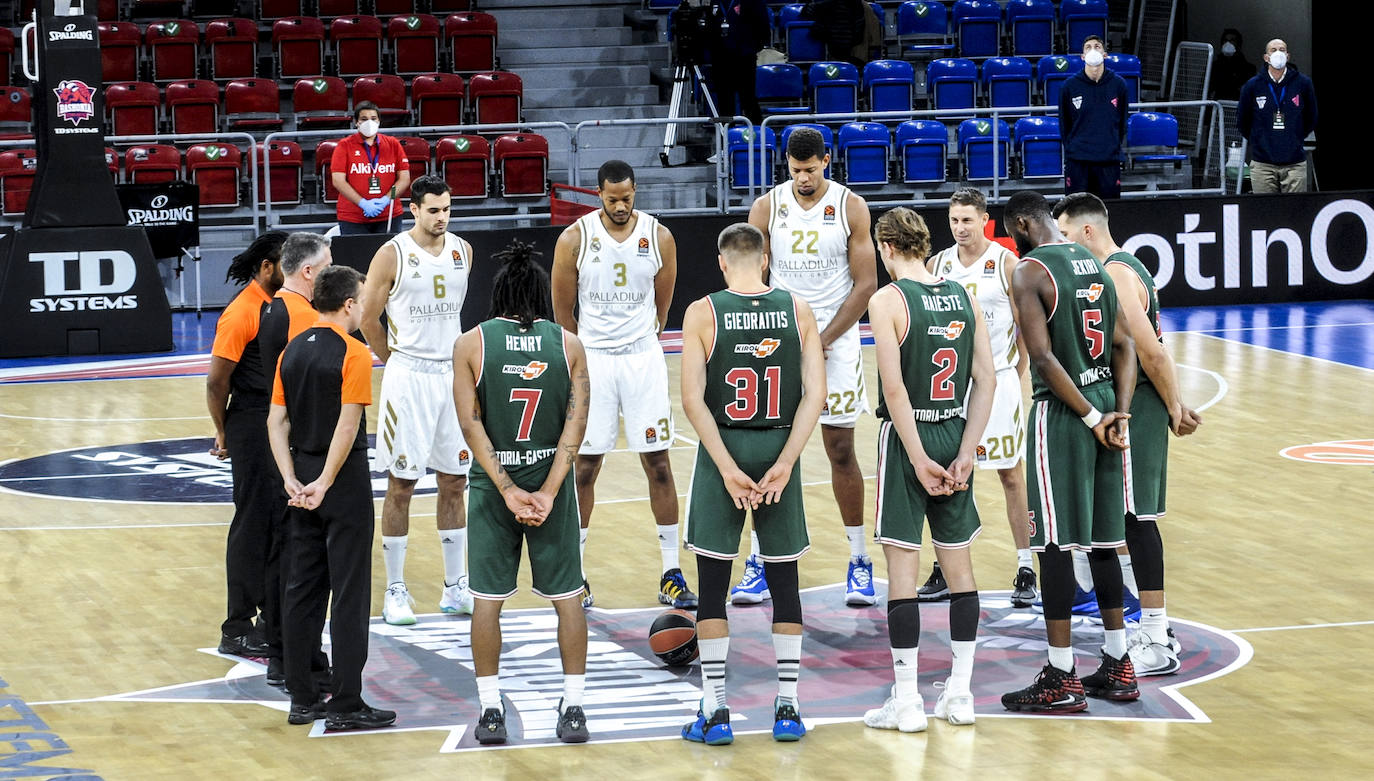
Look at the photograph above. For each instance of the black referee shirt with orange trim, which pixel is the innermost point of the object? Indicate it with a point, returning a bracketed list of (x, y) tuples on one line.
[(283, 320), (237, 339), (320, 371)]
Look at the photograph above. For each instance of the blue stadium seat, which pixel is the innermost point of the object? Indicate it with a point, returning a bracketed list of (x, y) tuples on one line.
[(826, 134), (798, 40), (862, 147), (834, 87), (1031, 26), (978, 27), (889, 85), (1152, 137), (1008, 82), (738, 142), (1127, 66), (1051, 72), (1081, 18), (923, 25), (1040, 147), (921, 148), (779, 89), (976, 147), (952, 83)]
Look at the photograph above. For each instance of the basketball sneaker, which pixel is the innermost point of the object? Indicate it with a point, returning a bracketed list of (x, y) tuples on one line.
[(1023, 592), (396, 605), (954, 708), (859, 583), (456, 598), (1150, 658), (1174, 643), (714, 731), (587, 599), (672, 590), (935, 588), (1114, 680), (905, 716), (572, 724), (787, 723), (1085, 604), (753, 586), (491, 728), (1052, 691)]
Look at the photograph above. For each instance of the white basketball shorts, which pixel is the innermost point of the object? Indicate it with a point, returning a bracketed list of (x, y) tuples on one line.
[(417, 427)]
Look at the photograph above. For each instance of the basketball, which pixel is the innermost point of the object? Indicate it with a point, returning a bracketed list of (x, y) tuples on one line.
[(673, 637)]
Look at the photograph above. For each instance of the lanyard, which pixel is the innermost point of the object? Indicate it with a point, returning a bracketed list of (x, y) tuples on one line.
[(373, 155), (1278, 96)]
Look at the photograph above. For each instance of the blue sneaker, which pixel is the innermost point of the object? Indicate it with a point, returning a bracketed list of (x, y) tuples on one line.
[(713, 732), (1085, 604), (859, 589), (787, 723), (753, 587), (672, 590)]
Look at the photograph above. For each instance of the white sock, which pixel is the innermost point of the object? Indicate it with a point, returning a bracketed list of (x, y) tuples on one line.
[(713, 653), (1023, 557), (1155, 623), (1115, 644), (454, 544), (668, 547), (1128, 574), (1062, 658), (1082, 570), (394, 557), (787, 651), (856, 541), (904, 671), (489, 692), (961, 671), (582, 550), (572, 690), (754, 544)]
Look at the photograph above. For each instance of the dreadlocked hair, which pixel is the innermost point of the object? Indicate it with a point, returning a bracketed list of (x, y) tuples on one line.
[(245, 265), (520, 289)]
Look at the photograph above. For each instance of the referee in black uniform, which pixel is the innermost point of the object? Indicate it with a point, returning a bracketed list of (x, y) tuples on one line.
[(319, 441)]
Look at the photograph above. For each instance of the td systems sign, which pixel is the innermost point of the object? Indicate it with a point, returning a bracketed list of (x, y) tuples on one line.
[(91, 280)]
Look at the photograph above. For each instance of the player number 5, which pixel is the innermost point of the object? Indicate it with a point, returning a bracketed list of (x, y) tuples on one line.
[(1097, 341)]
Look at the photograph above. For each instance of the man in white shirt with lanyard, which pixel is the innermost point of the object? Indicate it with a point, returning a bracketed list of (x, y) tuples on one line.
[(618, 267), (420, 277), (984, 268)]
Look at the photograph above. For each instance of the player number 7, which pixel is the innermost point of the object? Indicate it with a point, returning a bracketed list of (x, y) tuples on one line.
[(530, 398)]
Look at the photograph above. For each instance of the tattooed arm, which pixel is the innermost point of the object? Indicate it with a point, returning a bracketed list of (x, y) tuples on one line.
[(467, 356), (574, 427)]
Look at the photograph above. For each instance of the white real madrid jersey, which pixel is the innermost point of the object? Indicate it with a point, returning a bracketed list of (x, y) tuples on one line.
[(986, 279), (615, 283), (424, 311), (809, 248)]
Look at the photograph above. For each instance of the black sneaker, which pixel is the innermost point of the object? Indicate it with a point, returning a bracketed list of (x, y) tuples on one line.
[(572, 724), (365, 717), (491, 728), (672, 590), (276, 672), (244, 645), (1114, 680), (1053, 691), (587, 599), (305, 714), (935, 589), (1023, 593)]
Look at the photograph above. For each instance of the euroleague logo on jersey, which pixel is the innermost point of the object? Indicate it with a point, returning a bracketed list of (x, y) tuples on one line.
[(989, 267), (527, 371), (457, 260), (1093, 292), (950, 332), (829, 214), (643, 246), (761, 349)]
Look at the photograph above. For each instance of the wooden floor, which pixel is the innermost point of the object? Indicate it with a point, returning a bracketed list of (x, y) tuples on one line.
[(102, 598)]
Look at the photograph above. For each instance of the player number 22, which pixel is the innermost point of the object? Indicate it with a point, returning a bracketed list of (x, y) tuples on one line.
[(530, 398), (812, 238), (1097, 341), (746, 383)]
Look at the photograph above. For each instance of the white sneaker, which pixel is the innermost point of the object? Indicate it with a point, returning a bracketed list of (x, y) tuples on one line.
[(456, 598), (906, 716), (954, 708), (396, 606), (1150, 658)]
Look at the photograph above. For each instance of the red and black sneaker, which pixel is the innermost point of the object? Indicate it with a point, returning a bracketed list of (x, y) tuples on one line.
[(1054, 691), (1114, 680)]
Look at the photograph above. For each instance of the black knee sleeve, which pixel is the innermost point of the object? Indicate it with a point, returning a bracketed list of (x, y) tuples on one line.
[(904, 623), (713, 583), (1147, 553), (1057, 584), (1106, 577), (783, 585), (963, 616)]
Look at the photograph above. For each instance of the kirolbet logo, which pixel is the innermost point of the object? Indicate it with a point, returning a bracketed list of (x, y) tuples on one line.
[(82, 281)]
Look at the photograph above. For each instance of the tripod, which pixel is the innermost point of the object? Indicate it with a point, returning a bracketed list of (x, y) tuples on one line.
[(682, 85)]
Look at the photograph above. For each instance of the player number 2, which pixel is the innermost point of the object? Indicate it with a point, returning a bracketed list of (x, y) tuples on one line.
[(746, 384), (812, 238), (1097, 341), (439, 290), (530, 398), (941, 388)]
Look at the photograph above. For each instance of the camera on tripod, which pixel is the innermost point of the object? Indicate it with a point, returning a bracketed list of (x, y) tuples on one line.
[(695, 29)]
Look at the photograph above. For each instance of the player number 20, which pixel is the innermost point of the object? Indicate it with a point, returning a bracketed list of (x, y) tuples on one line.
[(746, 384), (811, 238)]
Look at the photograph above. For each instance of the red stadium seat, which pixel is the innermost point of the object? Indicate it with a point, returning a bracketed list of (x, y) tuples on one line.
[(152, 163), (321, 102), (495, 97), (16, 114), (395, 7), (357, 44), (283, 159), (252, 105), (417, 152), (522, 163), (193, 106), (233, 45), (299, 45), (215, 167), (331, 8), (324, 155), (112, 162), (133, 107), (437, 99), (388, 92), (107, 10), (120, 43), (463, 162), (6, 54), (414, 44), (17, 168), (271, 10), (471, 37), (174, 49)]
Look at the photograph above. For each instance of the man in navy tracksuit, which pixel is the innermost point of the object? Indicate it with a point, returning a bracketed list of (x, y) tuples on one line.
[(1092, 122), (1276, 111)]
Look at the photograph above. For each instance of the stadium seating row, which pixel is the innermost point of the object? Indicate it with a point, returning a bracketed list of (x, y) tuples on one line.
[(268, 10)]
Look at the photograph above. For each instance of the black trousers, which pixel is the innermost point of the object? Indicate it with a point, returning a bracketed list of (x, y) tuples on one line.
[(733, 77), (1100, 179), (329, 564), (257, 508)]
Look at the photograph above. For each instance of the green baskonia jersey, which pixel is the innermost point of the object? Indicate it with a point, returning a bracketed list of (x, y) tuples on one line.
[(936, 350), (523, 393), (753, 369), (1081, 318), (1152, 312)]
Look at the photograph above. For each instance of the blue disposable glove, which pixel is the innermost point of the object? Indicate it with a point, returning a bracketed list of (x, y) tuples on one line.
[(383, 202), (370, 207)]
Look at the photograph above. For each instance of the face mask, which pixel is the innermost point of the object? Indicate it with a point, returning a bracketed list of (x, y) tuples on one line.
[(1228, 49), (1278, 60), (1093, 58), (369, 127)]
